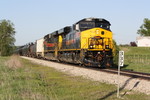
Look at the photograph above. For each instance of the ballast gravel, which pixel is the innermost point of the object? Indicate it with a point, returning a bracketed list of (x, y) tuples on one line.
[(129, 83)]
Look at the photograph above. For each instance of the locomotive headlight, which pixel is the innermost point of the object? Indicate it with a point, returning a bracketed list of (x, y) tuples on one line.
[(91, 47), (107, 46)]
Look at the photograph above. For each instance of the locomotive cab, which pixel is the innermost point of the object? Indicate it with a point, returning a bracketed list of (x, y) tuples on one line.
[(90, 23)]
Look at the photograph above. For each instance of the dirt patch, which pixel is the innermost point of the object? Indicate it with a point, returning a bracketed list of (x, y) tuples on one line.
[(14, 62)]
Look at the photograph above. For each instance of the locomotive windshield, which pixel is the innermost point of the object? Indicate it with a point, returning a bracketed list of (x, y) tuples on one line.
[(85, 25), (103, 25)]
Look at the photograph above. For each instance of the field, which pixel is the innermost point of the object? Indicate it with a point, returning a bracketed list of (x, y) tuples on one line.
[(22, 80), (137, 58)]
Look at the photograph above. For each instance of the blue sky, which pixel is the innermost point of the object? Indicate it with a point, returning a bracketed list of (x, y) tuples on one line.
[(35, 18)]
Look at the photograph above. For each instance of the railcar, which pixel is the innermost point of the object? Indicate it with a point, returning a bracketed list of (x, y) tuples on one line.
[(32, 50), (51, 46), (88, 42), (18, 50), (40, 48), (25, 50)]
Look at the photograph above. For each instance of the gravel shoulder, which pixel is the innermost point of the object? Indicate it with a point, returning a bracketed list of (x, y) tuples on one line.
[(128, 83)]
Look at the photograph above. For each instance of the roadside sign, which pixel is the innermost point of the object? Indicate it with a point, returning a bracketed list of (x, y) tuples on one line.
[(121, 58), (120, 63)]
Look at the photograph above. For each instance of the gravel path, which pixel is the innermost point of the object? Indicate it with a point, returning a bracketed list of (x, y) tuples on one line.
[(125, 82)]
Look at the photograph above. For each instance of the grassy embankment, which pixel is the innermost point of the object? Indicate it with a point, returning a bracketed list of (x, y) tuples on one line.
[(137, 58), (22, 80)]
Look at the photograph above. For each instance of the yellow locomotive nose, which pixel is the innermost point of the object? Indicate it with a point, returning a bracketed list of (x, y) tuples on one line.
[(97, 31)]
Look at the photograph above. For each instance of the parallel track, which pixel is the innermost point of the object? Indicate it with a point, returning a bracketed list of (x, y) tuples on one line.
[(145, 76)]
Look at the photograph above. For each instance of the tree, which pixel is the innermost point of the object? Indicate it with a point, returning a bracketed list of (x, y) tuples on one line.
[(115, 53), (145, 28), (133, 44), (7, 32)]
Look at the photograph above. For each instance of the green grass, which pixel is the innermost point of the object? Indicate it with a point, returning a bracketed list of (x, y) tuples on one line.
[(136, 50), (36, 82), (137, 58)]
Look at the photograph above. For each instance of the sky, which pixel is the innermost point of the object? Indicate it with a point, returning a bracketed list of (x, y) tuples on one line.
[(33, 19)]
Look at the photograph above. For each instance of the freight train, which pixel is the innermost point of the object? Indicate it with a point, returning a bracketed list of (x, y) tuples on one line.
[(88, 42)]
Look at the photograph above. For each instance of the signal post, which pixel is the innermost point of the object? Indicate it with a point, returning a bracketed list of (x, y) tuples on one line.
[(120, 64)]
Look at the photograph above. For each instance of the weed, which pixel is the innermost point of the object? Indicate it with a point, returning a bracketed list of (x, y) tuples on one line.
[(13, 62), (30, 81)]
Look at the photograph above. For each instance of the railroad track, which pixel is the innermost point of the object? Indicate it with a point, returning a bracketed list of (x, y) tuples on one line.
[(133, 74)]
